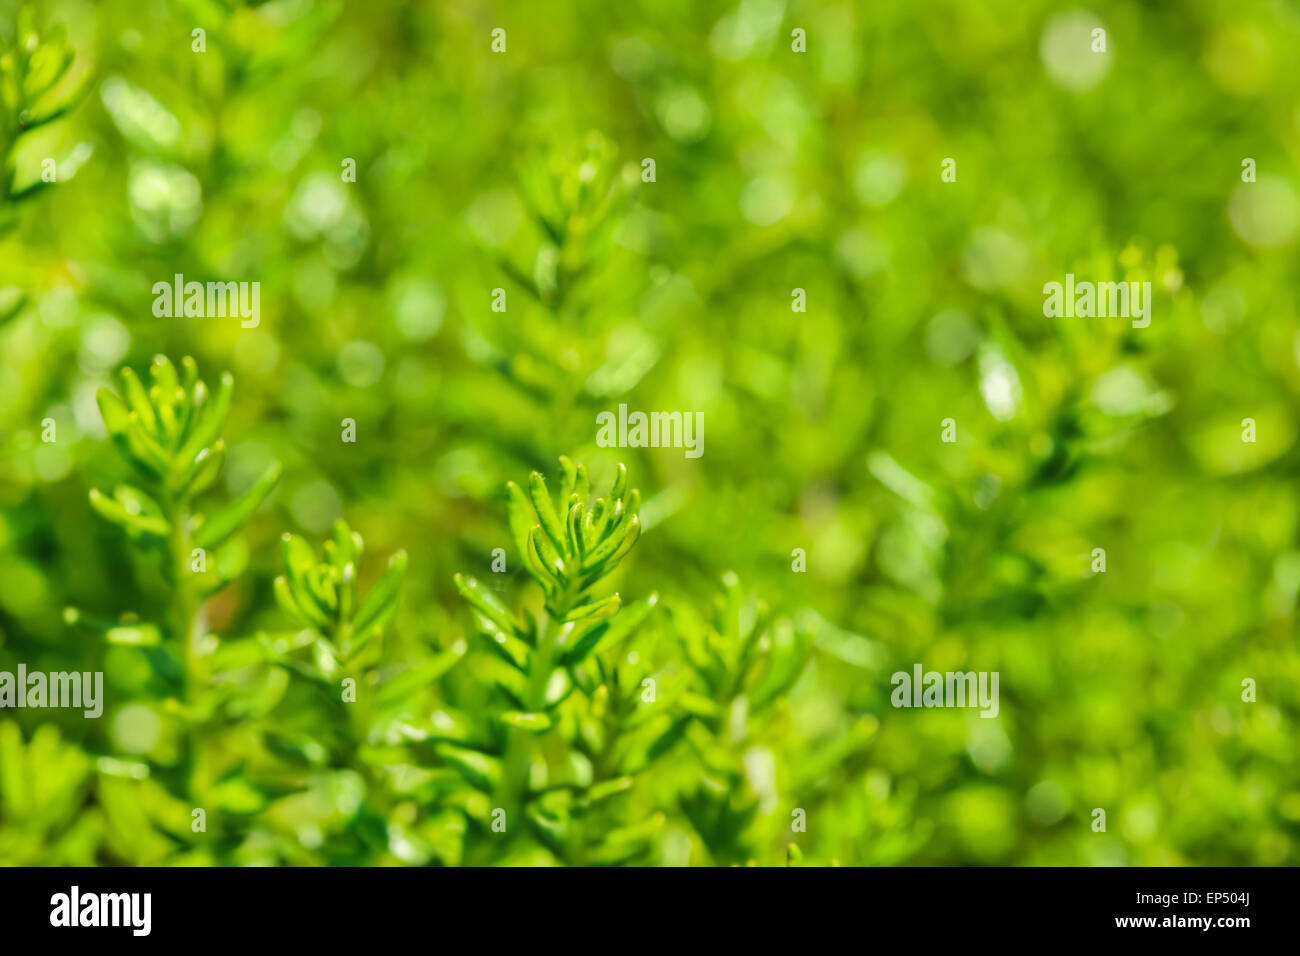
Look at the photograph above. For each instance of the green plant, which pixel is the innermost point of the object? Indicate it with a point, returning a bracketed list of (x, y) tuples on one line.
[(738, 672), (37, 87), (743, 663), (361, 712), (576, 197), (169, 434), (552, 758), (321, 595), (922, 282), (45, 819)]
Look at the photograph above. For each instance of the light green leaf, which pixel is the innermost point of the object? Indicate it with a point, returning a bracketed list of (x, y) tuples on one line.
[(488, 604), (522, 520), (568, 480), (134, 635), (409, 681), (220, 526), (546, 513), (607, 607), (115, 512), (137, 400), (609, 788), (536, 723), (305, 612), (380, 603), (203, 471), (610, 632), (612, 549), (210, 419), (482, 771), (115, 414)]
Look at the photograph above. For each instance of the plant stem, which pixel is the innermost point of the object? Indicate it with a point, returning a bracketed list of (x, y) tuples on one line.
[(513, 790), (184, 605), (515, 767), (359, 714), (611, 727), (184, 628)]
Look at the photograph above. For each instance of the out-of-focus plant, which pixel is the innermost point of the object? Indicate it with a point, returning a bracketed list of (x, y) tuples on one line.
[(739, 671), (321, 595), (37, 87), (743, 664), (339, 653), (575, 197), (45, 818)]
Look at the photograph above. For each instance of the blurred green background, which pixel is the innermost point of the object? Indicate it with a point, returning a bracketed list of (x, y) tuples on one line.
[(774, 170)]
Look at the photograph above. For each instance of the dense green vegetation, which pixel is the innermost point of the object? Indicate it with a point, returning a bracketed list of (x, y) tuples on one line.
[(394, 647)]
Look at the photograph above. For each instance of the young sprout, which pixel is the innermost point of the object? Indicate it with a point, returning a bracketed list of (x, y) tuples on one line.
[(321, 594), (568, 556), (568, 551), (169, 433)]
